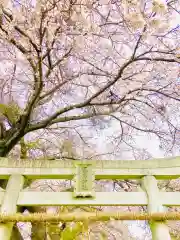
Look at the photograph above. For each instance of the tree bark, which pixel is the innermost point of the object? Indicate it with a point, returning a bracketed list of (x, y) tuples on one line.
[(16, 235), (2, 149), (42, 230)]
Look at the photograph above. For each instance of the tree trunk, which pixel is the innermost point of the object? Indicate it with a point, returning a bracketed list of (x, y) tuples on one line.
[(42, 230), (2, 149), (16, 235)]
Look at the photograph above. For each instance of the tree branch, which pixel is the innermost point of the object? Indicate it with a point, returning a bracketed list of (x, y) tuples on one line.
[(52, 44), (49, 94), (18, 29), (158, 59), (64, 119), (138, 42), (85, 103), (20, 47), (38, 85), (135, 127), (56, 63)]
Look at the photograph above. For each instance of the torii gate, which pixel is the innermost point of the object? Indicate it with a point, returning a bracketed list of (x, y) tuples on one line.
[(84, 173)]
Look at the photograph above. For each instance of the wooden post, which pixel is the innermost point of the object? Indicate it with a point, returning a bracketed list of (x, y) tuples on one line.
[(159, 229), (84, 180), (14, 186)]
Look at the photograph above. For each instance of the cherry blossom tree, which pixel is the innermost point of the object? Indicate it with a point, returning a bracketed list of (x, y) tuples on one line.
[(70, 69), (61, 59)]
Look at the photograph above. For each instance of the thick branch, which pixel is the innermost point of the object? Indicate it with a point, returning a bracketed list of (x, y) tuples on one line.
[(65, 119), (53, 119), (38, 85)]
